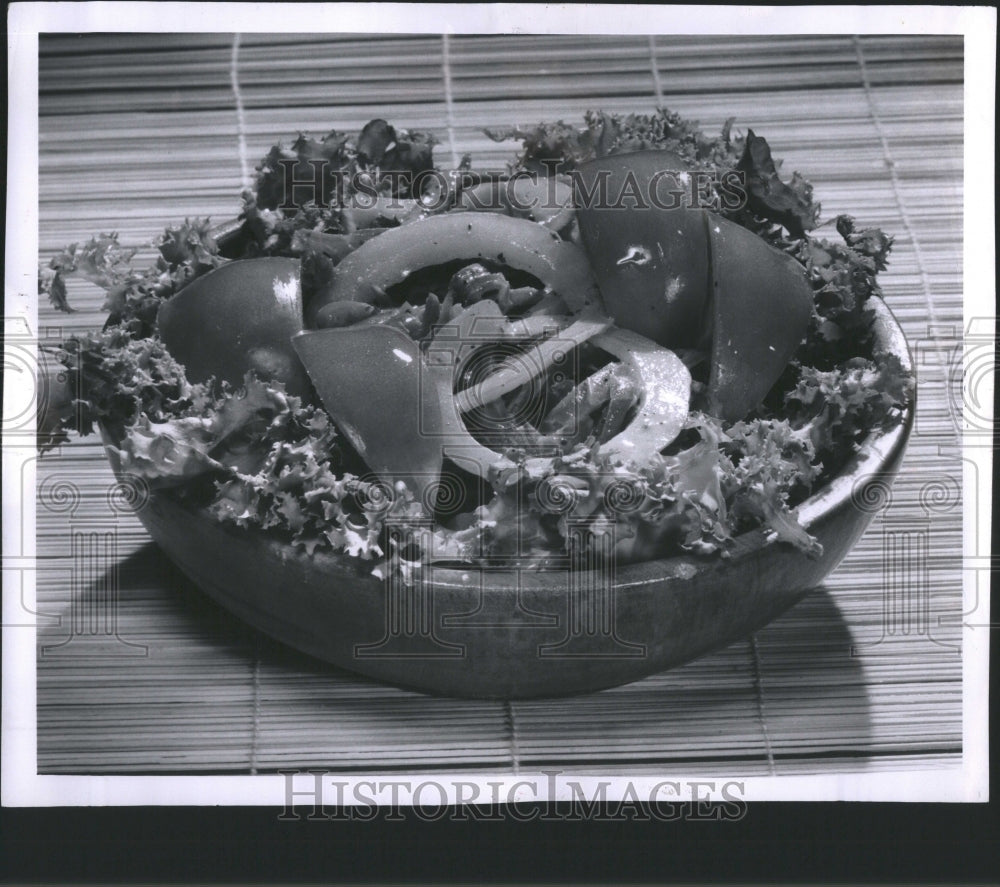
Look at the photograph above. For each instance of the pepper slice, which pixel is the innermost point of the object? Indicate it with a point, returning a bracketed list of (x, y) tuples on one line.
[(548, 201), (516, 243)]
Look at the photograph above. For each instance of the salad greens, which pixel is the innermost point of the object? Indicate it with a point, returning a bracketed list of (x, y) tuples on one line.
[(133, 297), (559, 147), (258, 457)]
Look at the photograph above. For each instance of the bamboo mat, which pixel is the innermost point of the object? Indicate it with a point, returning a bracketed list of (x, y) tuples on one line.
[(139, 673)]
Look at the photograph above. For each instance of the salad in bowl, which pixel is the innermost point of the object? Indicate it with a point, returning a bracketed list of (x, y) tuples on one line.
[(509, 432)]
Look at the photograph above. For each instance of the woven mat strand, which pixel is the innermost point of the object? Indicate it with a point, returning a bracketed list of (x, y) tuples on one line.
[(138, 672)]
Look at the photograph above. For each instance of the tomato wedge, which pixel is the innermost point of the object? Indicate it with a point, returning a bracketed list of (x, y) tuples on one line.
[(687, 278), (237, 318)]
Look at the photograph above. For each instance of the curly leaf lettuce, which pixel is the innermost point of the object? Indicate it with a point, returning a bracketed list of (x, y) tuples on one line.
[(560, 147), (769, 197), (841, 405), (132, 297)]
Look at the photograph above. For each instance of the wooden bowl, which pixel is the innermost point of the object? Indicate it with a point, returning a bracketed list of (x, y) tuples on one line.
[(508, 633)]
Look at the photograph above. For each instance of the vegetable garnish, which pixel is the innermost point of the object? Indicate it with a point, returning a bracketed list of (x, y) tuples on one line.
[(539, 359), (685, 277), (662, 402), (425, 426), (519, 244), (244, 314), (454, 349)]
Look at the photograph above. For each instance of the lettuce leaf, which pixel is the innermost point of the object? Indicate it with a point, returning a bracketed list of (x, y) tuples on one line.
[(840, 406), (768, 196), (770, 461), (559, 147), (132, 297)]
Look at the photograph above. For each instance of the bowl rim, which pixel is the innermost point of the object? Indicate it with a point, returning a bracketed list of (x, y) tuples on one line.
[(874, 451)]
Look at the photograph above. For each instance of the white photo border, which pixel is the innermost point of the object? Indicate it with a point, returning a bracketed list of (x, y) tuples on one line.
[(21, 784)]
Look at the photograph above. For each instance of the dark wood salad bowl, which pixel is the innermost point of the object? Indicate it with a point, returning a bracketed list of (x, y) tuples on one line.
[(509, 633)]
